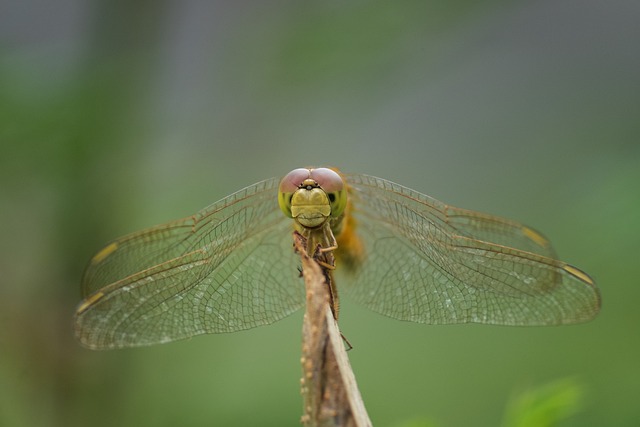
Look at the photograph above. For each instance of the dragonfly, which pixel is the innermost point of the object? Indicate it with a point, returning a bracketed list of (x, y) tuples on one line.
[(399, 252)]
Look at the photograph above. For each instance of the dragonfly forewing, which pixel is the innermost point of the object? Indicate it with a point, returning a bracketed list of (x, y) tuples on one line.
[(427, 262), (227, 268)]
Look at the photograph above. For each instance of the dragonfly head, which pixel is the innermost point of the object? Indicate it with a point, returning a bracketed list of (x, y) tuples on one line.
[(311, 196)]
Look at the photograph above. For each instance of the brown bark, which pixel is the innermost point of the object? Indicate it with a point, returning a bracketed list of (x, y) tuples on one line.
[(329, 389)]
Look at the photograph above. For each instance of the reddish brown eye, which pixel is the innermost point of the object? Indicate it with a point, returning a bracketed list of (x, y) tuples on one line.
[(293, 179), (327, 179), (331, 183)]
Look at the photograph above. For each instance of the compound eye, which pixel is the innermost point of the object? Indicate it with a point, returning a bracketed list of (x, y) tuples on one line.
[(333, 185), (327, 179), (292, 181), (289, 185)]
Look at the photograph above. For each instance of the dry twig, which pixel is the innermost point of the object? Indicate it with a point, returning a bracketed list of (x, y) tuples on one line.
[(330, 393)]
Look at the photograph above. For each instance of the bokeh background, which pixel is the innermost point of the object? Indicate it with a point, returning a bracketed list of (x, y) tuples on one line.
[(118, 115)]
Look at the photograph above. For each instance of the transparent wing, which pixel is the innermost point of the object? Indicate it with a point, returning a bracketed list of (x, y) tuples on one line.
[(428, 262), (229, 267)]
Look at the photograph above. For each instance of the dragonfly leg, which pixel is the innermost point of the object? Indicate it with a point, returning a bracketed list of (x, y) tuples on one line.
[(346, 342), (325, 264), (322, 253), (327, 249)]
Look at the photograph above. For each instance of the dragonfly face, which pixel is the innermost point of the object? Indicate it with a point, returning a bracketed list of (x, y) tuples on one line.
[(311, 196), (399, 252)]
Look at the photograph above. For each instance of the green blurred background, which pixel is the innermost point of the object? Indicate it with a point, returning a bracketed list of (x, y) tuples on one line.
[(118, 115)]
